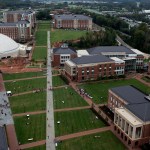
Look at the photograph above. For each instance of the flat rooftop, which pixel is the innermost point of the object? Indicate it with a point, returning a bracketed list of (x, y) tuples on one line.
[(108, 49), (131, 118)]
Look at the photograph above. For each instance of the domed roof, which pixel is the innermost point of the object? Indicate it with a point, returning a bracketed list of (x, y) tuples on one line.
[(7, 44)]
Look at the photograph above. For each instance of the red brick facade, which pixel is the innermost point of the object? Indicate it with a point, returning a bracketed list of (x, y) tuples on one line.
[(72, 22), (10, 17), (115, 101), (57, 59), (13, 32)]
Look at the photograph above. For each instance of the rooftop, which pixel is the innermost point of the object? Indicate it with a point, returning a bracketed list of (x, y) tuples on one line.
[(64, 50), (71, 17), (13, 24), (101, 49), (3, 139), (20, 12), (136, 101), (117, 60), (82, 53), (91, 59), (126, 114)]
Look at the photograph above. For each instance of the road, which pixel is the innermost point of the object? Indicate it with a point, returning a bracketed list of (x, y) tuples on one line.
[(50, 130)]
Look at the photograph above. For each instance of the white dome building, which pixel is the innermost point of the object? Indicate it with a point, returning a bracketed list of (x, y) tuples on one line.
[(9, 48)]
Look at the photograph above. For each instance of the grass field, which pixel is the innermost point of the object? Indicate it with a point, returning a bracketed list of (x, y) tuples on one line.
[(36, 129), (76, 121), (99, 90), (59, 35), (44, 26), (55, 72), (42, 147), (106, 141), (25, 85), (69, 96), (22, 75), (40, 53), (57, 81), (41, 38), (28, 102)]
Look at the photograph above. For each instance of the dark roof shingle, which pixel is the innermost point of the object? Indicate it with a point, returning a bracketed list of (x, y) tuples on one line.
[(100, 49), (62, 50), (136, 101), (91, 59), (72, 17)]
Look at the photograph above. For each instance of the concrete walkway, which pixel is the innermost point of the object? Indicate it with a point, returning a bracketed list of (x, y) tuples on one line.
[(83, 133), (33, 144), (66, 137), (50, 130)]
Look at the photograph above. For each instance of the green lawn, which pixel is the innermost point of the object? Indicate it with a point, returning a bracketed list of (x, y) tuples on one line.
[(106, 141), (41, 38), (76, 121), (44, 26), (69, 96), (22, 75), (36, 129), (42, 147), (57, 81), (25, 85), (55, 72), (59, 35), (40, 53), (99, 90), (28, 102)]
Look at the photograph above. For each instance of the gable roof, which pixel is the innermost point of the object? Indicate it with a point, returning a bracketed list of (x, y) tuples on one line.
[(91, 59), (101, 49), (13, 24), (72, 17), (62, 50)]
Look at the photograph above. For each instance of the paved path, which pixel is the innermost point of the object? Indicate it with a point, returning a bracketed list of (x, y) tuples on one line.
[(33, 144), (138, 77), (31, 113), (7, 118), (50, 130), (88, 100), (25, 79), (83, 133), (71, 109), (55, 110)]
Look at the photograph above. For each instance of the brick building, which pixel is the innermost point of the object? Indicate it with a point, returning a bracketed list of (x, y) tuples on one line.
[(72, 21), (62, 54), (131, 110), (133, 58), (92, 67), (15, 16), (19, 31)]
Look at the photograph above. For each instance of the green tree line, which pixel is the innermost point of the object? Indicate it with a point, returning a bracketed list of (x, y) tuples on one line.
[(96, 38)]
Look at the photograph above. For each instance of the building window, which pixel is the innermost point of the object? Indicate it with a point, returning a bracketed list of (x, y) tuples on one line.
[(111, 98), (138, 132)]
